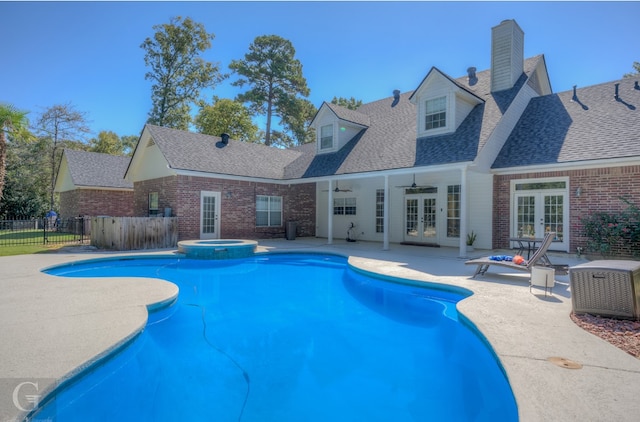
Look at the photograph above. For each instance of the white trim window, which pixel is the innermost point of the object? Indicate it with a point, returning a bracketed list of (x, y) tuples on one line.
[(453, 210), (268, 211), (435, 113), (379, 210), (326, 137), (344, 206)]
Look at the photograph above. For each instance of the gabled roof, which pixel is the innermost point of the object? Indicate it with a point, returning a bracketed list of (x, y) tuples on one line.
[(459, 83), (348, 115), (559, 128), (204, 153), (95, 170), (390, 140)]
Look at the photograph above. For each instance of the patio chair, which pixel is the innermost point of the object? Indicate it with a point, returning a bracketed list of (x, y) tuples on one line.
[(539, 257)]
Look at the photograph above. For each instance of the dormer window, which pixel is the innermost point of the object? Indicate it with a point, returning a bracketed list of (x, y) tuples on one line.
[(436, 113), (326, 137)]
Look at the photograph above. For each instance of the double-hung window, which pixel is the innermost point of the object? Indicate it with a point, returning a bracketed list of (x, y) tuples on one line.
[(268, 211), (326, 137), (436, 113), (153, 203), (344, 206)]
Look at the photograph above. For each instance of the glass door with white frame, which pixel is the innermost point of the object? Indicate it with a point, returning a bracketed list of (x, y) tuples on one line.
[(420, 218), (209, 215), (541, 207)]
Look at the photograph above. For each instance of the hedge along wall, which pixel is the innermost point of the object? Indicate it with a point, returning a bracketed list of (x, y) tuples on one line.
[(601, 189), (238, 201)]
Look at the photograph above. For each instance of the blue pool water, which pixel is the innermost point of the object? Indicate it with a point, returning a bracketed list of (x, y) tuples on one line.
[(288, 337)]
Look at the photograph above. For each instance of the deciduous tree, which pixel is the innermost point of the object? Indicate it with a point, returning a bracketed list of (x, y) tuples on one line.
[(26, 184), (226, 116), (274, 76), (177, 70), (58, 125), (107, 142)]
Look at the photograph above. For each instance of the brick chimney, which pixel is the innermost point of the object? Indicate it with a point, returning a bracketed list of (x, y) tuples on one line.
[(507, 55)]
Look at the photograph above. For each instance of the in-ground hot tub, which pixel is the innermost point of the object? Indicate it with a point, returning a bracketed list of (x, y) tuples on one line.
[(217, 248)]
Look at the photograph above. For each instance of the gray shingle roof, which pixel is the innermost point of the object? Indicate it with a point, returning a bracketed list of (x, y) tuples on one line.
[(92, 169), (197, 152), (390, 140), (557, 129), (349, 115)]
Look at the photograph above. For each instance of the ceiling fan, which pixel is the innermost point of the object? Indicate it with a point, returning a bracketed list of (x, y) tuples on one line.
[(414, 185), (337, 189)]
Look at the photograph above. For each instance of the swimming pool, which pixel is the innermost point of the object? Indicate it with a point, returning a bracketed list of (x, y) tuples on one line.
[(288, 337)]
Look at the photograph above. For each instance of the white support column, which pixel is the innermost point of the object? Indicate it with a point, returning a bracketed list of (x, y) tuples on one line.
[(385, 220), (463, 212), (330, 214)]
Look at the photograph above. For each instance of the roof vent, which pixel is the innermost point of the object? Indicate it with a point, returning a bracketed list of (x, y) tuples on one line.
[(616, 96), (396, 97), (473, 79), (636, 86), (575, 96), (225, 138)]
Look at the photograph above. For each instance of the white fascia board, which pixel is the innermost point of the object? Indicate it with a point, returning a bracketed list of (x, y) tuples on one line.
[(104, 188), (575, 165), (394, 172)]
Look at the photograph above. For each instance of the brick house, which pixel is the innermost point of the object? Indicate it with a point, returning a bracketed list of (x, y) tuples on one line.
[(495, 152), (92, 184), (219, 188)]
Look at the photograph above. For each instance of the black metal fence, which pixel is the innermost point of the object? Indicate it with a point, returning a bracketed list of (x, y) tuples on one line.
[(43, 231)]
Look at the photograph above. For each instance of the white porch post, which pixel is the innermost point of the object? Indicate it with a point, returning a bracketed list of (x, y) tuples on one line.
[(330, 214), (385, 219), (463, 212)]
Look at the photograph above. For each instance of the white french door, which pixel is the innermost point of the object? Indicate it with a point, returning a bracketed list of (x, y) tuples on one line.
[(420, 218), (537, 212), (209, 215)]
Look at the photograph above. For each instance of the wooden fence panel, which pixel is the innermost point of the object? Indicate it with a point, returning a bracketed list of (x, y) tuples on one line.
[(134, 233)]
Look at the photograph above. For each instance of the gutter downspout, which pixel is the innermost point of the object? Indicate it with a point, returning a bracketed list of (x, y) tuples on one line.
[(330, 214), (463, 212)]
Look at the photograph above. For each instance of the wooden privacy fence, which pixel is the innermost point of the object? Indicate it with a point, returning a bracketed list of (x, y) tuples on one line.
[(134, 233)]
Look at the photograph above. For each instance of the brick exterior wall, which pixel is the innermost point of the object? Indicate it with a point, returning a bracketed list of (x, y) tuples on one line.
[(238, 201), (601, 192), (94, 202)]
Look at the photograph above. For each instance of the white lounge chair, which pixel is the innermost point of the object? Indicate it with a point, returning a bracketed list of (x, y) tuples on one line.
[(539, 257)]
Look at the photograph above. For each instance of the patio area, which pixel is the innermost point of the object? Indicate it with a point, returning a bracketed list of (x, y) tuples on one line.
[(52, 327)]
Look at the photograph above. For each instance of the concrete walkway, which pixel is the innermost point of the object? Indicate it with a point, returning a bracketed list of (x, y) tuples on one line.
[(53, 327)]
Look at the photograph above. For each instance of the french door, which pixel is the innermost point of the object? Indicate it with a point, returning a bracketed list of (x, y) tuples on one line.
[(539, 212), (420, 218), (209, 215)]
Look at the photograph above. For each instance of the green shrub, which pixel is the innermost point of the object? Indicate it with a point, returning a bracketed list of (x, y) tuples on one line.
[(612, 234)]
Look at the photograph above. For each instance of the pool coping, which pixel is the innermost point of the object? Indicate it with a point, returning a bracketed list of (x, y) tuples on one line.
[(524, 329)]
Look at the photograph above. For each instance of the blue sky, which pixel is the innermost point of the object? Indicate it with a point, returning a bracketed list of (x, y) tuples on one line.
[(88, 53)]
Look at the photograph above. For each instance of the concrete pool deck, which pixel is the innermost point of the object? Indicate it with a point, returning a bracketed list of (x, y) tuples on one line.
[(52, 327)]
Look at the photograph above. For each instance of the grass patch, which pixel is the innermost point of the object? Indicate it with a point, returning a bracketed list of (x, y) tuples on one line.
[(34, 236), (31, 241), (28, 249)]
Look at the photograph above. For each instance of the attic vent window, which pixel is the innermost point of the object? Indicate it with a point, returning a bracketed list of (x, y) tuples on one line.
[(150, 143), (436, 113)]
